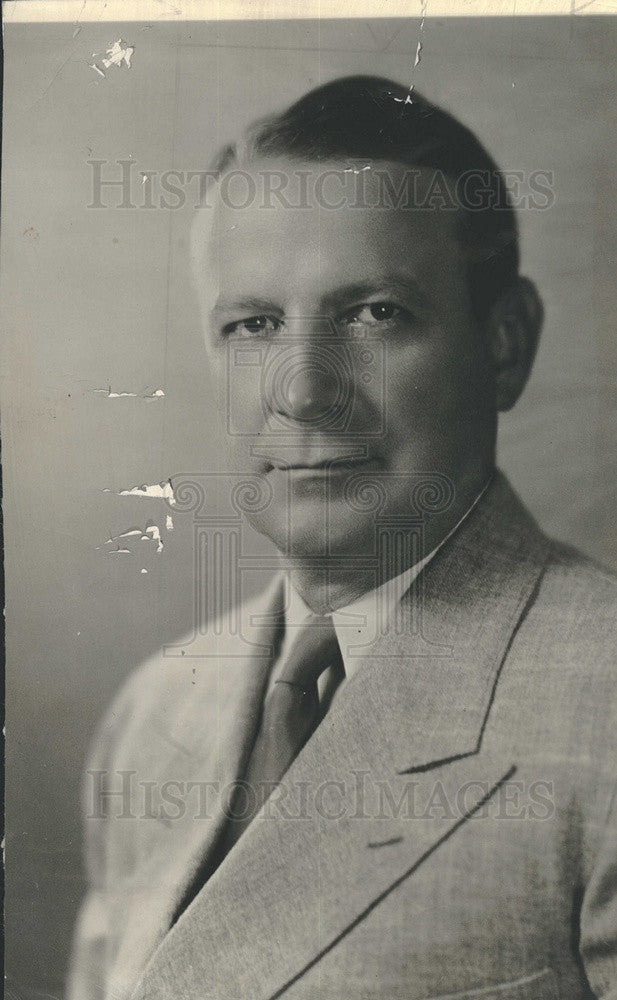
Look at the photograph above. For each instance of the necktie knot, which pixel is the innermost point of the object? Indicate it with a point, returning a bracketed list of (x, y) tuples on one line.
[(314, 649)]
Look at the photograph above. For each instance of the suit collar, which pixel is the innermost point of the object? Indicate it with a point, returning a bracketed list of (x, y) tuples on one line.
[(445, 649), (417, 704)]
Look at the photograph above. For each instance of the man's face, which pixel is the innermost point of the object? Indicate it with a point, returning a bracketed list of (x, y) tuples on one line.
[(345, 350)]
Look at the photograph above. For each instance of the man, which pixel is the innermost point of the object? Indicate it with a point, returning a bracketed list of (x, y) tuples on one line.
[(408, 740)]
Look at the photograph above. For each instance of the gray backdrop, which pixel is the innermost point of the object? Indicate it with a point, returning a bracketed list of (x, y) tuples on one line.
[(93, 299)]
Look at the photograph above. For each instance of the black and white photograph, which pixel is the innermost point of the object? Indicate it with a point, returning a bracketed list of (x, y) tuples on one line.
[(309, 420)]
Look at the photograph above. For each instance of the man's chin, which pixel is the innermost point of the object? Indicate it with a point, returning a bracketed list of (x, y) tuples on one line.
[(300, 535)]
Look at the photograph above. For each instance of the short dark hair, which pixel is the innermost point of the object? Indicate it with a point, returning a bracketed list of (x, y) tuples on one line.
[(372, 117)]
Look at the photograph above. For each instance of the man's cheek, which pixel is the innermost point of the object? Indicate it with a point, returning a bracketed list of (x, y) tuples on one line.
[(414, 397)]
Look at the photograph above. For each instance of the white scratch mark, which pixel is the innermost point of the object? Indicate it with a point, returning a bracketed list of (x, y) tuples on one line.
[(96, 68), (120, 552), (357, 170), (169, 524), (158, 491), (77, 30), (423, 13), (419, 45)]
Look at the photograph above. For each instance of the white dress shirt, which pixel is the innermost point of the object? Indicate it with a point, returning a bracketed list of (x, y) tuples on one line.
[(357, 624)]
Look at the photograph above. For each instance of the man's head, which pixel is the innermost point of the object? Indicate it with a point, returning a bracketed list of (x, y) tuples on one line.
[(373, 332)]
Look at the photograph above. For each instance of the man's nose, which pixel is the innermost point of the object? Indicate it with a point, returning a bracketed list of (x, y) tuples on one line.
[(311, 391), (308, 383)]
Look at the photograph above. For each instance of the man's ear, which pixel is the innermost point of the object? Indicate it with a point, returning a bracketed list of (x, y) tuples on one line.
[(513, 328)]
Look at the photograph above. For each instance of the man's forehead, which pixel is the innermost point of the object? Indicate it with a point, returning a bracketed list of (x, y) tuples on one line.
[(301, 200), (280, 252)]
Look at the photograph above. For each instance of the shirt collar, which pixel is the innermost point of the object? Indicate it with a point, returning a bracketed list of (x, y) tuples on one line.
[(356, 623)]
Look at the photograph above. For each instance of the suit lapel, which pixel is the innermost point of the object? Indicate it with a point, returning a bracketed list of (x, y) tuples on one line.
[(416, 709), (192, 745)]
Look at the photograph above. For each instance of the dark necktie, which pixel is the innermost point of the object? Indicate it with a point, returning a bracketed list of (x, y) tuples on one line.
[(291, 712), (290, 715)]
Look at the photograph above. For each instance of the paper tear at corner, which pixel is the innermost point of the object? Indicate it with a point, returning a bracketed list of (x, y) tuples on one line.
[(158, 491), (115, 55)]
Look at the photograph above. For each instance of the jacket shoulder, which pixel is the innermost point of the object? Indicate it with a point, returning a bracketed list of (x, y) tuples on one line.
[(177, 684), (575, 584), (565, 645)]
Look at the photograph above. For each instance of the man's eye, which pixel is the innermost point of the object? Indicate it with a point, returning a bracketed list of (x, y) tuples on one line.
[(253, 326), (375, 312)]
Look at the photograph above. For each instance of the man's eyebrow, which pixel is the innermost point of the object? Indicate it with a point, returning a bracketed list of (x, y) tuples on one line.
[(251, 304), (399, 284)]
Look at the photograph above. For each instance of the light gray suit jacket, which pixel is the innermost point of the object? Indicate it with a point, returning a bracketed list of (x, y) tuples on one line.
[(455, 835)]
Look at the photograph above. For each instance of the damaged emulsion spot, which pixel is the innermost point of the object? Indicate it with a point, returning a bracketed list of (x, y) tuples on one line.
[(117, 54), (157, 394), (158, 491), (116, 545), (151, 533)]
